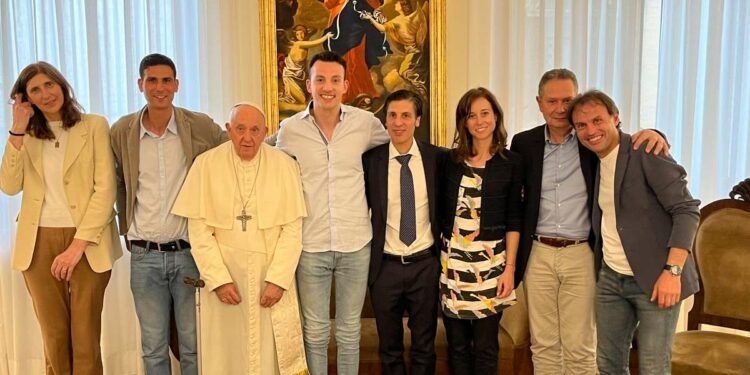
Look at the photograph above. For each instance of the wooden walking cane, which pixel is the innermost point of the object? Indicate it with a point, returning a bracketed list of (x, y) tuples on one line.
[(197, 284)]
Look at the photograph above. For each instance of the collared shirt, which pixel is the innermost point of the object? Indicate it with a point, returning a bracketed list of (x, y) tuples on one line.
[(563, 210), (332, 176), (161, 171), (393, 244), (613, 252)]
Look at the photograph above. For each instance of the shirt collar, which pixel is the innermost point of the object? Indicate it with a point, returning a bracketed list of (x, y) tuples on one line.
[(567, 139), (171, 125), (413, 151), (308, 110)]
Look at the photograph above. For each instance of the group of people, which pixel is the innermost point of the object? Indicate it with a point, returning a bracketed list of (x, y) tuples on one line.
[(597, 225)]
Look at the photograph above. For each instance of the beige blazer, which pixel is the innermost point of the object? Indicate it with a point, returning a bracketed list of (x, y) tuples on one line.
[(89, 184), (197, 131)]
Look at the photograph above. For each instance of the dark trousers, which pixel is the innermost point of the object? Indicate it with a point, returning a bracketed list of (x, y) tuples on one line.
[(413, 288), (473, 345)]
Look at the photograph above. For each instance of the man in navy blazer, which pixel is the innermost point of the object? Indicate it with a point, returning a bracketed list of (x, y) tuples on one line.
[(400, 184), (645, 221)]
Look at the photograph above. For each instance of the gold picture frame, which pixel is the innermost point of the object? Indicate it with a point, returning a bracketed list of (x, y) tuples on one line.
[(292, 30)]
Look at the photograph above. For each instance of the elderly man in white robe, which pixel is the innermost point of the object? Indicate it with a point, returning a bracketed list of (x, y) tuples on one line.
[(245, 206)]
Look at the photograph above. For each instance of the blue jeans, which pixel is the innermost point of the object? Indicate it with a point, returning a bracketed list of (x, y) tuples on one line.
[(621, 307), (314, 275), (156, 282)]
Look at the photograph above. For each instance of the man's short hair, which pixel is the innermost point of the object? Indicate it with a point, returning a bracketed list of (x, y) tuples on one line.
[(593, 96), (156, 59), (405, 95), (328, 56), (560, 73)]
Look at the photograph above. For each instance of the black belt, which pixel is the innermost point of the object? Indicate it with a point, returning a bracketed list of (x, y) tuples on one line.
[(167, 246), (411, 258), (556, 241)]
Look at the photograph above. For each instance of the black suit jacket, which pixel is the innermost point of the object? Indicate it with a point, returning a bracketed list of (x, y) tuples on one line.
[(375, 165), (530, 144)]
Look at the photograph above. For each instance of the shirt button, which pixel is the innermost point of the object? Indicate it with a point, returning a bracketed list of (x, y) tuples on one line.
[(73, 207)]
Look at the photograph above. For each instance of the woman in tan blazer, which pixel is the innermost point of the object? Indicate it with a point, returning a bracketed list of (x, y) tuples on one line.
[(67, 241)]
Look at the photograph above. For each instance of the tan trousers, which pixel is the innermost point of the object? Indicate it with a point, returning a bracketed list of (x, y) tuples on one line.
[(560, 288), (69, 313)]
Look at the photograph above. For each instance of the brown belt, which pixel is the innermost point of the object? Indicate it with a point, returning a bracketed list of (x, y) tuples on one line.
[(556, 241)]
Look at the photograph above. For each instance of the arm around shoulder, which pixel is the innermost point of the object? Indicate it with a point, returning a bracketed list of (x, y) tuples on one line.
[(378, 134)]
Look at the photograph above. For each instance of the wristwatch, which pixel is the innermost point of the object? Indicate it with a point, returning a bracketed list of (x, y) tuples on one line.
[(673, 269)]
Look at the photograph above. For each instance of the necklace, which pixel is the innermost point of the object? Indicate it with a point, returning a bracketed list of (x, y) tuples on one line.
[(57, 130), (244, 217)]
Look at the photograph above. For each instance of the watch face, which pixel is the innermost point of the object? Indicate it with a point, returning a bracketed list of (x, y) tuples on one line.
[(675, 270)]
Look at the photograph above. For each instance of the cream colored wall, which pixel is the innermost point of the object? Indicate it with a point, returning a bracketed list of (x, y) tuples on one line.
[(468, 52)]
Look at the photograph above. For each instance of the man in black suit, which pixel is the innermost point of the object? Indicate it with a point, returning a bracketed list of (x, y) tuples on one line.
[(400, 184), (556, 238)]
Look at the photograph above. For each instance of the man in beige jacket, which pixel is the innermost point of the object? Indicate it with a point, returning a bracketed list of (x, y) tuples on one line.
[(154, 148)]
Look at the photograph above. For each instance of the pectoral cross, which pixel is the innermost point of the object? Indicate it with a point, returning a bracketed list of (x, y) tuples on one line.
[(244, 218)]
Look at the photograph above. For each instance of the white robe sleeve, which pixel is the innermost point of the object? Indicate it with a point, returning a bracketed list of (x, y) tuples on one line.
[(207, 255), (286, 255)]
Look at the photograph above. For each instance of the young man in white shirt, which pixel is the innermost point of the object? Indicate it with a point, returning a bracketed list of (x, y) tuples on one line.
[(328, 140)]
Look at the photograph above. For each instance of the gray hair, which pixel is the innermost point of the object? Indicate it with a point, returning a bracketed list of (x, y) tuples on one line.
[(560, 73)]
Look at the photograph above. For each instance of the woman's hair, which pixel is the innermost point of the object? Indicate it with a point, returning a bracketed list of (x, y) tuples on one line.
[(71, 111), (463, 142)]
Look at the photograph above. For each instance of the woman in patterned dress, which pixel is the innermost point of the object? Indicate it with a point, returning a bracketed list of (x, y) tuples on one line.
[(480, 216)]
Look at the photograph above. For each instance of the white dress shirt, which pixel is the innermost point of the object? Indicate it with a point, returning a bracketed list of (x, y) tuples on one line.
[(161, 171), (332, 177), (393, 244)]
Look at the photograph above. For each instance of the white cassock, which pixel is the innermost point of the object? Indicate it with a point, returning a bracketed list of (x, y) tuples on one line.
[(246, 338)]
